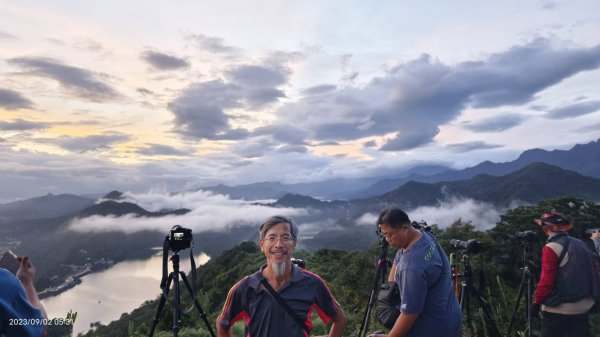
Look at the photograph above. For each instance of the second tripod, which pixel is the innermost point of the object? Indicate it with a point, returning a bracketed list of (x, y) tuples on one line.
[(468, 290), (527, 286), (179, 238)]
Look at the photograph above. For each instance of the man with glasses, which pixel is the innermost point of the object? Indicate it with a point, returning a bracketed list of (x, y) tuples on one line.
[(302, 291), (428, 306)]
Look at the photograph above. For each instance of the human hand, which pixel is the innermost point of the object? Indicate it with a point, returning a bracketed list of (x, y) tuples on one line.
[(535, 310), (26, 271)]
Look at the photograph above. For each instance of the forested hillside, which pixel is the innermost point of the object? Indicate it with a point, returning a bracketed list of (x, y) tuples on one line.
[(349, 274)]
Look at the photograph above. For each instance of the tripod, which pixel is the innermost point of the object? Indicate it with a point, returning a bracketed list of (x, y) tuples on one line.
[(380, 275), (174, 276), (527, 284), (467, 289)]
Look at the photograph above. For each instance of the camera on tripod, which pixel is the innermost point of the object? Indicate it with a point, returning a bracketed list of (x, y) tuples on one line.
[(299, 262), (470, 247), (421, 225), (527, 236), (180, 238)]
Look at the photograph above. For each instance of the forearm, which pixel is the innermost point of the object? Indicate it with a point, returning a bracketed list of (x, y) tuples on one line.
[(339, 325), (221, 332), (34, 299), (403, 325), (597, 244)]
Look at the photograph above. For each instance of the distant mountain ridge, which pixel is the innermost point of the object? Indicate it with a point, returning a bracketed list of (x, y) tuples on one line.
[(535, 182), (117, 208), (582, 158), (47, 206)]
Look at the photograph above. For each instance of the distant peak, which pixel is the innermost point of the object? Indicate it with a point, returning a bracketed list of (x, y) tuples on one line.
[(114, 195)]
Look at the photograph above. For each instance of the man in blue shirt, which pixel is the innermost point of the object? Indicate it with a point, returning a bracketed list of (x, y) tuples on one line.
[(21, 312), (303, 291), (421, 269)]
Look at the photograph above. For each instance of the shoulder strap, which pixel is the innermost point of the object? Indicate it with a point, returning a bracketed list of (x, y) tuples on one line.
[(284, 305), (439, 249), (564, 250)]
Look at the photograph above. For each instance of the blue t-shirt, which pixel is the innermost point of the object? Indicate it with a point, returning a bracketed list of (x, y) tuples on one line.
[(14, 305), (425, 283)]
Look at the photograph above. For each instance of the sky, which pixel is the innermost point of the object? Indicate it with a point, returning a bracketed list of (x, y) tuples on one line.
[(175, 95)]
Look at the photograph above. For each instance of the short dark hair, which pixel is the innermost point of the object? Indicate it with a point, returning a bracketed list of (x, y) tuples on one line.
[(393, 217), (274, 220)]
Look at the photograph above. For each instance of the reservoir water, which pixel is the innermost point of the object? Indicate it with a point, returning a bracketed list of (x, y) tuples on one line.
[(104, 296)]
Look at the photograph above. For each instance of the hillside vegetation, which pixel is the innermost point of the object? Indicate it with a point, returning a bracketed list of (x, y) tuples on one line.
[(349, 274)]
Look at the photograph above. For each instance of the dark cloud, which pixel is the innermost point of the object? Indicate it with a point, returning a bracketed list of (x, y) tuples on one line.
[(319, 89), (144, 91), (90, 143), (13, 100), (415, 98), (472, 146), (283, 133), (161, 150), (200, 111), (574, 110), (257, 76), (163, 61), (212, 44), (589, 128), (292, 148), (253, 148), (549, 5), (82, 82), (22, 125), (7, 36), (370, 143), (495, 124)]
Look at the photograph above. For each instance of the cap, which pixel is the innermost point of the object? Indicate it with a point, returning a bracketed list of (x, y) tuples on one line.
[(558, 221)]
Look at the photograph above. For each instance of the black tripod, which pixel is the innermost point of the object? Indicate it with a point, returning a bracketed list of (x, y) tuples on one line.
[(380, 275), (467, 289), (528, 286), (174, 276)]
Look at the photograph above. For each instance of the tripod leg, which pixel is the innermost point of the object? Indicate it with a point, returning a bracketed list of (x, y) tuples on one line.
[(517, 302), (161, 305), (379, 275), (197, 304), (465, 308), (493, 330)]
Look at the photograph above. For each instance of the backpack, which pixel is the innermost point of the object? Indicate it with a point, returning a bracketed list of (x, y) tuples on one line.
[(388, 304), (596, 293)]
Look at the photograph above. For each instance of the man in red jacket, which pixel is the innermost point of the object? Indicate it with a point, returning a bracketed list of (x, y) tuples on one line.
[(565, 289)]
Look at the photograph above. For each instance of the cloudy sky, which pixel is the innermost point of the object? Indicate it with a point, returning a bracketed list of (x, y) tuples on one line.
[(172, 95)]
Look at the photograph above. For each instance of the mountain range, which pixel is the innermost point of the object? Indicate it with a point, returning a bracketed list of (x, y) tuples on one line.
[(582, 158)]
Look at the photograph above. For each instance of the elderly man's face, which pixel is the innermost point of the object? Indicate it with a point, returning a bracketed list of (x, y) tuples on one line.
[(278, 244)]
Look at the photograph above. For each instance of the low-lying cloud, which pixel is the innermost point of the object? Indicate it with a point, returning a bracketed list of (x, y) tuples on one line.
[(209, 212), (482, 215)]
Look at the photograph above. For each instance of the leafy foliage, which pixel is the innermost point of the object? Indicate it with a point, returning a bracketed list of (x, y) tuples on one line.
[(497, 274)]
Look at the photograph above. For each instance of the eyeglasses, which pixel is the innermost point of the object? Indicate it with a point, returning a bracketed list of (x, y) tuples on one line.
[(285, 239), (388, 235)]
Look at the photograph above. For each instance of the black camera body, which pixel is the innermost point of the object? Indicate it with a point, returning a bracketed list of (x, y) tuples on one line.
[(528, 236), (299, 262), (470, 247), (591, 231), (180, 238), (421, 225)]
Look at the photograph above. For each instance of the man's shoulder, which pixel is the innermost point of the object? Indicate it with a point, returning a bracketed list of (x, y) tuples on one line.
[(305, 275), (7, 280)]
